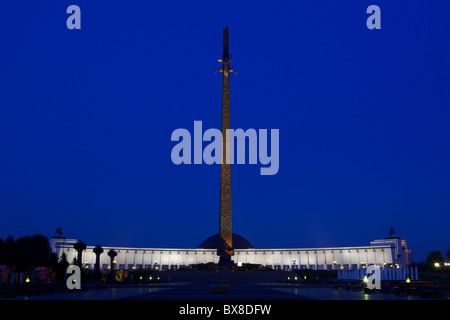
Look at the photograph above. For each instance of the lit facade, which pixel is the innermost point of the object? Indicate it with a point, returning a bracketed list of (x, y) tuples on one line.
[(380, 253)]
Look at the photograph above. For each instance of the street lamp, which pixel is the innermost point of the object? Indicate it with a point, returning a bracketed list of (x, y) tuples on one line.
[(408, 282), (436, 265), (447, 265)]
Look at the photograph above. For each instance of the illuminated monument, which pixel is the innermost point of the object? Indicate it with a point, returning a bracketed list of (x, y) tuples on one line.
[(225, 251), (219, 248), (225, 241)]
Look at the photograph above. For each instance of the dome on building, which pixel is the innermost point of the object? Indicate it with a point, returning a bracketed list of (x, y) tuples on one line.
[(215, 241)]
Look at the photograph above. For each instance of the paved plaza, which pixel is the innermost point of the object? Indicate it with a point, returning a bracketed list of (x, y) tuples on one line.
[(201, 291)]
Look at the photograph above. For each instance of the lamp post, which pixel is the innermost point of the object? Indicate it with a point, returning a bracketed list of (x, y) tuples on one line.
[(436, 265), (408, 282), (447, 265)]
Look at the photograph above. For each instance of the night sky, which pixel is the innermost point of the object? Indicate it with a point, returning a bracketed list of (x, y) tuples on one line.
[(86, 118)]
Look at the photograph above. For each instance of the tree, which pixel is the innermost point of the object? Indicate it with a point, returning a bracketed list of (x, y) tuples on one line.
[(26, 252), (63, 261), (2, 251), (432, 258), (98, 250), (9, 252), (79, 247), (53, 261), (63, 264), (112, 254)]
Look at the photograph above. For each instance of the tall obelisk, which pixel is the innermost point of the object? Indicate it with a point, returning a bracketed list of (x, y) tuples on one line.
[(226, 250)]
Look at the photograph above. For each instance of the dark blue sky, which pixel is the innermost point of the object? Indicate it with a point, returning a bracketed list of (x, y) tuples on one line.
[(86, 118)]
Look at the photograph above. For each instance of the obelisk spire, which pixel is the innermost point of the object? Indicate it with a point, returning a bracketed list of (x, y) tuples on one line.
[(225, 229)]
